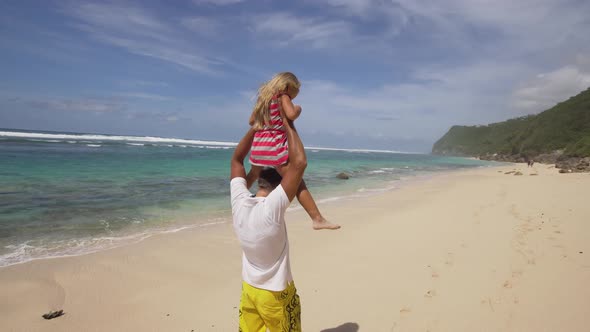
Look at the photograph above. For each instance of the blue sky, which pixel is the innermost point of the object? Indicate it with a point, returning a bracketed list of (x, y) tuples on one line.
[(375, 74)]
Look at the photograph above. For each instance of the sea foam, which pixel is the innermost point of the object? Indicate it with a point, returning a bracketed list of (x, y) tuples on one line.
[(93, 138)]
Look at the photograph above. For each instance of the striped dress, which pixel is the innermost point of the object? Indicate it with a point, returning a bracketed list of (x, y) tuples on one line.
[(269, 147)]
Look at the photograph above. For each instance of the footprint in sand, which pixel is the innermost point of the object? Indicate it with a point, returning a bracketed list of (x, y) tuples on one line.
[(488, 301), (507, 284), (433, 272), (450, 259), (405, 310), (431, 293)]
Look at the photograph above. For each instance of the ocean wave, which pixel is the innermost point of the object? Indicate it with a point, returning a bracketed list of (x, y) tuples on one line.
[(112, 138), (29, 251), (315, 149), (92, 138), (94, 145), (46, 140)]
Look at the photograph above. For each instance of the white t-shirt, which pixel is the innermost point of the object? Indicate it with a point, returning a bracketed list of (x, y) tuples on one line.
[(259, 223)]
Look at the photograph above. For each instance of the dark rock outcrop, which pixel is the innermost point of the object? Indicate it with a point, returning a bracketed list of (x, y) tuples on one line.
[(343, 176), (569, 164), (574, 165)]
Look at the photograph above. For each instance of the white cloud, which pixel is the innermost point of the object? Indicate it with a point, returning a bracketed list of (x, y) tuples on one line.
[(522, 37), (548, 89), (205, 26), (217, 2), (516, 27), (143, 83), (422, 108), (77, 105), (158, 116), (296, 31), (353, 7), (142, 33), (143, 95)]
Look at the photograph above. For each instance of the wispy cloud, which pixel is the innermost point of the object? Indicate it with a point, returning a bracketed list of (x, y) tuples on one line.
[(140, 32), (204, 26), (434, 100), (548, 89), (217, 2), (77, 105), (287, 30), (523, 38), (143, 95), (142, 83), (509, 28), (19, 35), (160, 116)]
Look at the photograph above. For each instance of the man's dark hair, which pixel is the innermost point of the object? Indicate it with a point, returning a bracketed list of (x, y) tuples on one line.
[(269, 178)]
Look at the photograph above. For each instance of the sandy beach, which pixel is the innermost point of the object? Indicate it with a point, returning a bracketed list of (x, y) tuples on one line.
[(475, 250)]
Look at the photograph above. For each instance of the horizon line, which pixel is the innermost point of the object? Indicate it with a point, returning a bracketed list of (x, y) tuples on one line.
[(30, 133)]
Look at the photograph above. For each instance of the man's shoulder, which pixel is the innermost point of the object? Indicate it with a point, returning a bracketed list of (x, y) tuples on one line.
[(277, 199), (238, 179), (238, 189), (238, 183)]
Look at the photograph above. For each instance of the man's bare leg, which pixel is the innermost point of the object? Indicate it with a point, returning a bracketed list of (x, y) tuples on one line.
[(306, 200)]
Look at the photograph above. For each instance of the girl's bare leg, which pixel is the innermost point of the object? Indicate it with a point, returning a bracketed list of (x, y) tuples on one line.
[(306, 200), (253, 175)]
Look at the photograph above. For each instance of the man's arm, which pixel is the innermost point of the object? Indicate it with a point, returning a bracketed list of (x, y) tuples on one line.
[(240, 153), (297, 161)]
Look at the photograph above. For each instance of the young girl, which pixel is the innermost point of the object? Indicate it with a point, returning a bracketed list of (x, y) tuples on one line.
[(269, 148)]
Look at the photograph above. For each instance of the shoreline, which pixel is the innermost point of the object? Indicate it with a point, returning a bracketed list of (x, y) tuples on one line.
[(124, 238), (474, 250)]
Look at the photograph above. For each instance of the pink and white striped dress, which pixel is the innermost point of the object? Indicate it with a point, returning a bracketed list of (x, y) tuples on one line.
[(269, 147)]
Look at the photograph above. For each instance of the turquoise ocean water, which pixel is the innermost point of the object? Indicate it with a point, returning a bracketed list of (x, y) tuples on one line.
[(67, 194)]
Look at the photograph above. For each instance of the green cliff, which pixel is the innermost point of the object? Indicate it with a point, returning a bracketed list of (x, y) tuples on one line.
[(563, 130)]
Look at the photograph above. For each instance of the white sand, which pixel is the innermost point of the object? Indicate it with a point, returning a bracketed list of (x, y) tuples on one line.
[(476, 250)]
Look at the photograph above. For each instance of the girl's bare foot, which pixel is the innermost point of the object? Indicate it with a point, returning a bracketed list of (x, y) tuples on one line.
[(322, 223)]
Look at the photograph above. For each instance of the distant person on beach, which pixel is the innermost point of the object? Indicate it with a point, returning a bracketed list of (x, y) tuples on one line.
[(269, 298), (270, 147)]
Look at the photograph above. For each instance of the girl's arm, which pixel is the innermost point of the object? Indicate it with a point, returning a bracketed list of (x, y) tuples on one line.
[(292, 112)]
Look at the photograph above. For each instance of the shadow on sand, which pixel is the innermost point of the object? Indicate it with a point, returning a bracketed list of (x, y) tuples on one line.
[(346, 327)]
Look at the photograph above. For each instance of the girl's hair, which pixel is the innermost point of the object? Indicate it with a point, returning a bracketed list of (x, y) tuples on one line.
[(279, 83)]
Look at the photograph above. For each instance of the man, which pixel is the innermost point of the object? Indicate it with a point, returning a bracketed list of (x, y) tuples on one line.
[(269, 298)]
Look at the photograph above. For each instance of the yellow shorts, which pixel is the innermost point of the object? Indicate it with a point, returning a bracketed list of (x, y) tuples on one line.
[(261, 309)]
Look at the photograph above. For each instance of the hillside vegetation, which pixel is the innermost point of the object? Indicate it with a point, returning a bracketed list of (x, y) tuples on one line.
[(564, 128)]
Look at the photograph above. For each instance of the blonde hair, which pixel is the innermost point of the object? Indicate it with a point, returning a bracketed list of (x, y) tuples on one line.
[(279, 83)]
